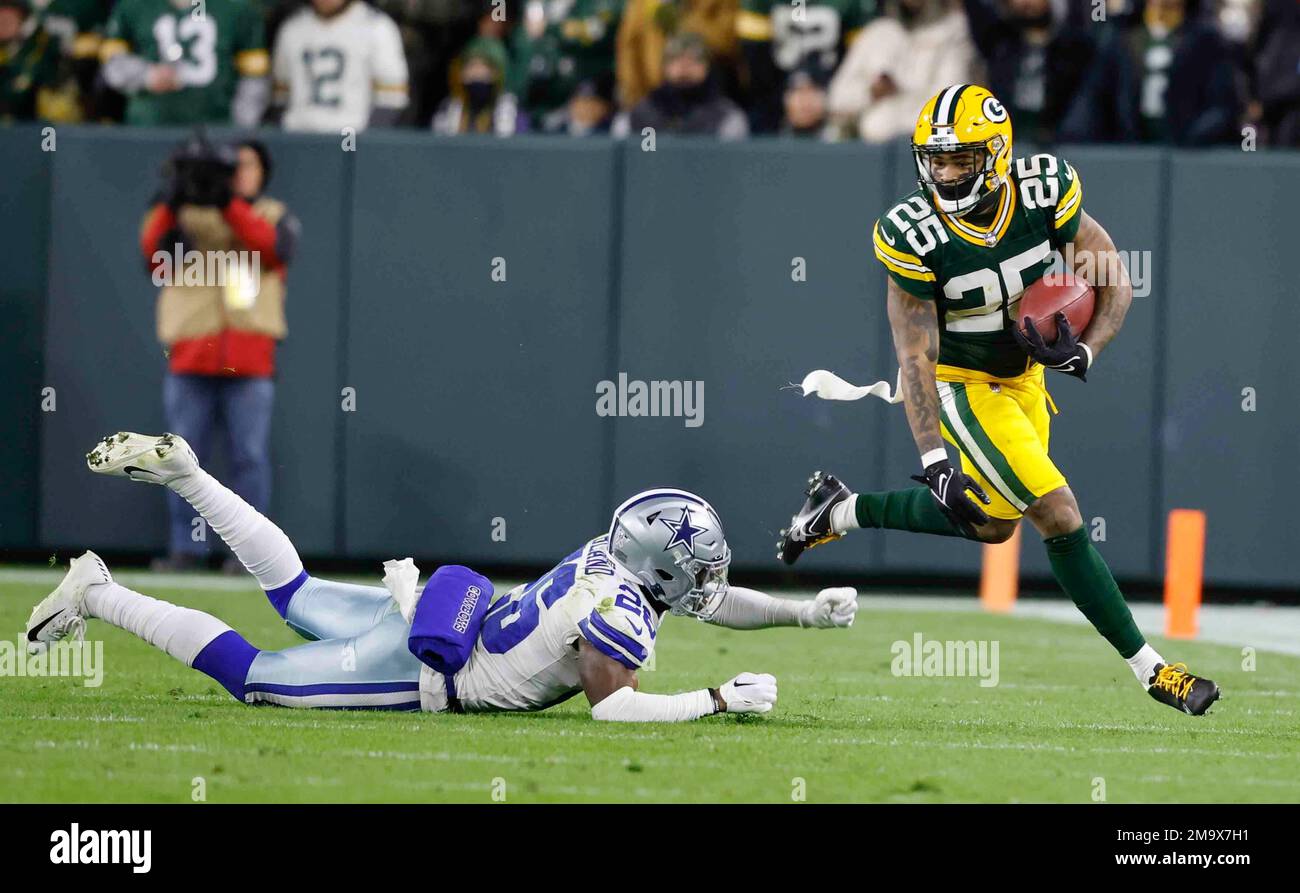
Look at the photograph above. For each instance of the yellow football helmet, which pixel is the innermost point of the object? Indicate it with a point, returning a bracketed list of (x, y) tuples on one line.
[(964, 118)]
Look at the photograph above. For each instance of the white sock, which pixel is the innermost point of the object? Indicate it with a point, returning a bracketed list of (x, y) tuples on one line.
[(181, 632), (260, 546), (845, 515), (1144, 664)]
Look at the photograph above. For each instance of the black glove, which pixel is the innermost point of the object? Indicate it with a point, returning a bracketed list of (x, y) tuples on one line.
[(1066, 354), (949, 487)]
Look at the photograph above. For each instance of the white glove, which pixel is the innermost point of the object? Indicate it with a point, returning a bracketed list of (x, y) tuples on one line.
[(749, 693), (831, 608)]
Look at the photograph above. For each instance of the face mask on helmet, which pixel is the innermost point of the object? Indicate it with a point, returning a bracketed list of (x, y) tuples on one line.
[(956, 195), (708, 586)]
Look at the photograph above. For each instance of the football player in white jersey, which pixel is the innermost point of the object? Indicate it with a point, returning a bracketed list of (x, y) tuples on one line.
[(337, 64), (587, 625)]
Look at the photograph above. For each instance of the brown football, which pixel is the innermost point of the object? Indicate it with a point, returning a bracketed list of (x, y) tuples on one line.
[(1043, 300)]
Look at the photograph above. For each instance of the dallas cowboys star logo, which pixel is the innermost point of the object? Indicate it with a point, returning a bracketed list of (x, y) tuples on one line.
[(684, 532)]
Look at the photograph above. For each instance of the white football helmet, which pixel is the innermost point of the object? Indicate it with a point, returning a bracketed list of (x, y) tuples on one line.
[(672, 541)]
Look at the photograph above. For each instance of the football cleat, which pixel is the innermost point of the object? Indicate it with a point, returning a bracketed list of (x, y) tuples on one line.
[(1173, 685), (143, 457), (62, 613), (812, 526)]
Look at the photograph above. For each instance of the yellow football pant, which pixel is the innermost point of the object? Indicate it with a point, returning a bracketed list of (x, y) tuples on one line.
[(1001, 427)]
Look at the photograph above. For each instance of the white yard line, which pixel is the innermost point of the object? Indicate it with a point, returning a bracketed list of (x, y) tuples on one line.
[(1260, 626)]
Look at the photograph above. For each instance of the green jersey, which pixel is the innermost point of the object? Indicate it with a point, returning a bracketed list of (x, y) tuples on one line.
[(210, 51), (577, 44), (821, 29), (976, 275)]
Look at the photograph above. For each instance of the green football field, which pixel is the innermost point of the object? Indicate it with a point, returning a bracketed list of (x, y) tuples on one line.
[(1065, 723)]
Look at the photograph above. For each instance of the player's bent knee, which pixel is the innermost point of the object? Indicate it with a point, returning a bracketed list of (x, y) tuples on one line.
[(1056, 513), (997, 530)]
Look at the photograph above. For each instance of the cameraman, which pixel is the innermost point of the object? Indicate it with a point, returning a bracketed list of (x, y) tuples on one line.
[(218, 247)]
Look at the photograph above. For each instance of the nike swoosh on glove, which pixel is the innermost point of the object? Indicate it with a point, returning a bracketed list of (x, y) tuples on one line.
[(948, 486), (831, 608), (749, 693), (1066, 354)]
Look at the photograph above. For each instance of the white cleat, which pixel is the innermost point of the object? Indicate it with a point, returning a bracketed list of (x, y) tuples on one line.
[(62, 613), (143, 457)]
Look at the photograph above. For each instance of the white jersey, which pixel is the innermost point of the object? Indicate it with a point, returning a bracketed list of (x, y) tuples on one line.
[(526, 657), (331, 72)]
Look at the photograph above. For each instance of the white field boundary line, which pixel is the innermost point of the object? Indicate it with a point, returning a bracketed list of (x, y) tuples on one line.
[(1262, 627)]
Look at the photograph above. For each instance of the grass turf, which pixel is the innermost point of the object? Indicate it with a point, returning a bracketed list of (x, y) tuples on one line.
[(1066, 712)]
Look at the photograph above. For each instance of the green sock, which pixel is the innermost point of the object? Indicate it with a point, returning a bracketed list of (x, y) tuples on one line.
[(1084, 576), (915, 510)]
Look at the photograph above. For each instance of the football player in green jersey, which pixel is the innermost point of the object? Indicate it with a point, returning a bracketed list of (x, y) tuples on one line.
[(187, 63), (959, 251)]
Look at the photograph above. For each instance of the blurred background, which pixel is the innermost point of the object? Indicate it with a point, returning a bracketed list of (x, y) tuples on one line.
[(471, 231)]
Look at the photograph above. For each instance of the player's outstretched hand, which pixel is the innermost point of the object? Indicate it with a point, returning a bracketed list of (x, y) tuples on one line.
[(1066, 354), (831, 608), (949, 486), (749, 693)]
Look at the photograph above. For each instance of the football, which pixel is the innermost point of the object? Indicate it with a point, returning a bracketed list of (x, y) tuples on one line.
[(1044, 299)]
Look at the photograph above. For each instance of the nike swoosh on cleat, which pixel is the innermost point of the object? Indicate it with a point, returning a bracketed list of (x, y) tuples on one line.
[(34, 631), (130, 468)]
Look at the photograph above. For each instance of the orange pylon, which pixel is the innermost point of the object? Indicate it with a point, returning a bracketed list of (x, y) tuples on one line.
[(1000, 577), (1184, 570)]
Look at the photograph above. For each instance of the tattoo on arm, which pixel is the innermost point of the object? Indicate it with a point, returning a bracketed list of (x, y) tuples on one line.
[(1114, 294), (915, 326)]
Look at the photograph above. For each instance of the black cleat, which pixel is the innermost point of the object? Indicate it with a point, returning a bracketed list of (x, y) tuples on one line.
[(812, 526), (1173, 685)]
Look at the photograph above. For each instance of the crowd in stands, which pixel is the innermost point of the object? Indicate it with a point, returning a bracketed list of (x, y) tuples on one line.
[(1182, 72)]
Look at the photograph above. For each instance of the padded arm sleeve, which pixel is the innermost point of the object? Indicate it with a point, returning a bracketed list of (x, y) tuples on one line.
[(626, 705), (750, 609)]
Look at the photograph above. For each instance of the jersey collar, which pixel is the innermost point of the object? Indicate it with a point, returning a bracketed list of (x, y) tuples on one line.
[(985, 236)]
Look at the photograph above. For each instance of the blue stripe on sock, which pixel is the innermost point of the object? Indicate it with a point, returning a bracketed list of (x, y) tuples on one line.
[(281, 595), (227, 659)]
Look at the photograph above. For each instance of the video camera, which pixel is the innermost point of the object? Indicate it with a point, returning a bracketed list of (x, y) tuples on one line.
[(199, 172)]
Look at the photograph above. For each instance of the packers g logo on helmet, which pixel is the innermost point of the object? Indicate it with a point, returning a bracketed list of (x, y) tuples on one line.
[(963, 118), (993, 110)]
